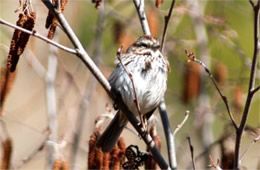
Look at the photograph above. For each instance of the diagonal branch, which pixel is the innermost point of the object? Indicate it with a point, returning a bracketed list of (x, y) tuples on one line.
[(119, 52), (139, 5), (187, 113), (166, 22), (193, 58), (37, 35), (82, 54)]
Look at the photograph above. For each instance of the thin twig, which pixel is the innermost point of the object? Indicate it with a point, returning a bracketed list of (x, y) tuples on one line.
[(166, 22), (251, 89), (35, 34), (197, 9), (249, 146), (192, 153), (105, 84), (187, 113), (193, 58), (162, 107), (212, 164), (119, 53), (139, 5)]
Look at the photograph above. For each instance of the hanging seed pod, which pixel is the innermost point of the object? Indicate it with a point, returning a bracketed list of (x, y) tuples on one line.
[(29, 24), (14, 42), (20, 39), (106, 161), (52, 29), (152, 17), (158, 3), (57, 164), (220, 73), (7, 147), (118, 28), (122, 146), (51, 21), (191, 81), (6, 83), (60, 164), (115, 158), (238, 99), (92, 149)]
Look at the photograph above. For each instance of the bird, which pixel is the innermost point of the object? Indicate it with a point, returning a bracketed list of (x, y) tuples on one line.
[(149, 70)]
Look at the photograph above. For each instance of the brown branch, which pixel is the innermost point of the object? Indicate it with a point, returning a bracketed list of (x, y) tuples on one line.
[(119, 52), (166, 22), (35, 34), (255, 89), (251, 89), (193, 58), (192, 153)]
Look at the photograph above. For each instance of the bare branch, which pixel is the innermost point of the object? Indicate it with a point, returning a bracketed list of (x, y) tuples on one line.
[(168, 135), (139, 5), (187, 113), (105, 84), (192, 153), (255, 90), (252, 3), (193, 58), (119, 52), (50, 77), (251, 89), (35, 34), (166, 22)]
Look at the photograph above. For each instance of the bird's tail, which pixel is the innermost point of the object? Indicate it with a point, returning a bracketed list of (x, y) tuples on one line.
[(110, 136)]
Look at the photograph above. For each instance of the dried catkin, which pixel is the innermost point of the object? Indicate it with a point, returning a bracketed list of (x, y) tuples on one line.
[(158, 3), (6, 83), (7, 153), (51, 21), (20, 39)]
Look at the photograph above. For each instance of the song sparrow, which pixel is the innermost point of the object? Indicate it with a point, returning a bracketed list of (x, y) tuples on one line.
[(149, 69)]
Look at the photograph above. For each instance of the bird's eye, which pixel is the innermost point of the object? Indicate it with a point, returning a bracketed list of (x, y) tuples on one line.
[(144, 45)]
